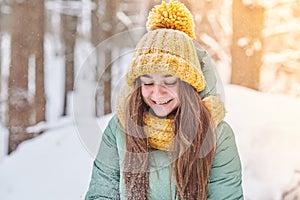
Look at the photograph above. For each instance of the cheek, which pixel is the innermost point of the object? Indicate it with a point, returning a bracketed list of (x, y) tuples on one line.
[(174, 93), (145, 92)]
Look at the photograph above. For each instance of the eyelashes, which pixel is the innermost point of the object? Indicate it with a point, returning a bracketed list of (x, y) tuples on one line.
[(165, 83), (147, 84), (171, 83)]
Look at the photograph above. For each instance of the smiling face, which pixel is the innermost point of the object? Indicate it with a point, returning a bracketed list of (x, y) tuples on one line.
[(160, 93)]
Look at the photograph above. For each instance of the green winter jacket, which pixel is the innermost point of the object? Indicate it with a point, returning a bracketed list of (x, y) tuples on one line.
[(225, 180)]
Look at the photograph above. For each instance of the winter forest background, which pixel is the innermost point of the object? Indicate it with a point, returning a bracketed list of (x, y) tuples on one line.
[(62, 63)]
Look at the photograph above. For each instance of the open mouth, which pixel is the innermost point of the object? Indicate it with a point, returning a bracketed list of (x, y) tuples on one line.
[(161, 102)]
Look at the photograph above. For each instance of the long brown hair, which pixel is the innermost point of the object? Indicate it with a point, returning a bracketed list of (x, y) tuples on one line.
[(193, 146)]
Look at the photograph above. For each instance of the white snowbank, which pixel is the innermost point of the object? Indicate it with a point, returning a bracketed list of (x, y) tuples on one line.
[(267, 131)]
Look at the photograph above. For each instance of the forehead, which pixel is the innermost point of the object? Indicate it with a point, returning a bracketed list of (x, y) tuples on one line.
[(157, 76)]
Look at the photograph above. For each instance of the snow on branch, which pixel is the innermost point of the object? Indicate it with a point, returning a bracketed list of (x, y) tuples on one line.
[(124, 19), (282, 29)]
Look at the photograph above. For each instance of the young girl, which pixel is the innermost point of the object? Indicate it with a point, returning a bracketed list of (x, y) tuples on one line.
[(165, 141)]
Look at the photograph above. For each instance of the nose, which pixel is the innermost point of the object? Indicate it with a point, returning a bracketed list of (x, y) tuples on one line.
[(158, 90)]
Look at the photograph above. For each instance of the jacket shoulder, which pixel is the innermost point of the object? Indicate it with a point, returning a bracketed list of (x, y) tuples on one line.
[(111, 130), (226, 144), (226, 172), (224, 132)]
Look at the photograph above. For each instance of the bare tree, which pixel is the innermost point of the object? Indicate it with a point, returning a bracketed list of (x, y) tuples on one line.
[(106, 30), (96, 38), (19, 109), (111, 7), (0, 54), (246, 50), (109, 18), (38, 29), (69, 30), (26, 51), (0, 59)]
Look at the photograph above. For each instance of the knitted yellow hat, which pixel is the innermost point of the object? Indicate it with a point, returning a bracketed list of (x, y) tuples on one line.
[(168, 47)]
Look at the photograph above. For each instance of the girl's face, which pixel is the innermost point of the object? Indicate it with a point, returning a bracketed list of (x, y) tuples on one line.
[(160, 93)]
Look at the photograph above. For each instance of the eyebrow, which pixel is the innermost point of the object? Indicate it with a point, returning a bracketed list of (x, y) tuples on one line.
[(149, 76)]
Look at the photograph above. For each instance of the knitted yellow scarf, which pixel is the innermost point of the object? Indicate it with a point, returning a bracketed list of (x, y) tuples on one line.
[(159, 131)]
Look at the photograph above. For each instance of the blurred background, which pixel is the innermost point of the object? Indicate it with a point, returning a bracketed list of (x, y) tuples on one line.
[(51, 50)]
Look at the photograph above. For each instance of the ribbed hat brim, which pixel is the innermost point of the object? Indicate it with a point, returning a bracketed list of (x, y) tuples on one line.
[(165, 63)]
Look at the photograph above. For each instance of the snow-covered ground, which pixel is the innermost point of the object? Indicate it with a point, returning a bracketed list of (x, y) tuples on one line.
[(57, 164), (267, 131)]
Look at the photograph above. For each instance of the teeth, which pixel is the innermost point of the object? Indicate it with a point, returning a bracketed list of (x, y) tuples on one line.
[(161, 102)]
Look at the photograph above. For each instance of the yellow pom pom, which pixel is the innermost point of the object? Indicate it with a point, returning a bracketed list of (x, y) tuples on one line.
[(172, 15)]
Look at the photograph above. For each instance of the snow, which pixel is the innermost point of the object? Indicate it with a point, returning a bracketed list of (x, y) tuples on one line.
[(267, 134), (57, 164), (52, 166)]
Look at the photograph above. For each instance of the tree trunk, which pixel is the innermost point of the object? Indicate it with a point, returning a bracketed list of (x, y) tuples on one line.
[(0, 62), (96, 38), (18, 102), (69, 24), (106, 30), (38, 50), (107, 81), (246, 50), (111, 9), (95, 26)]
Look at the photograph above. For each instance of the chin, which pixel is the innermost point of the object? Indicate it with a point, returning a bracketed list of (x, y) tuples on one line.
[(160, 112)]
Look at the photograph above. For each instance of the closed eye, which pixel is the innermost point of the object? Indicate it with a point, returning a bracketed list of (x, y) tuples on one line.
[(171, 83), (147, 84)]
